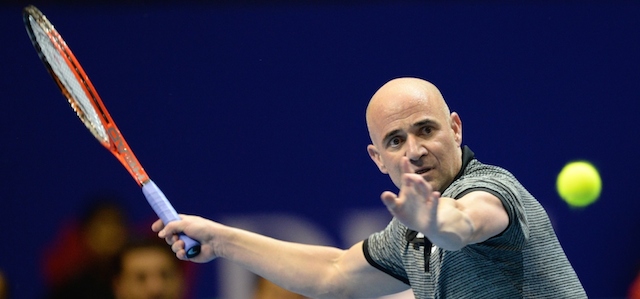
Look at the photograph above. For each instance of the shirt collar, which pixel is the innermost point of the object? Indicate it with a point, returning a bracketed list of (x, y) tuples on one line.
[(467, 157)]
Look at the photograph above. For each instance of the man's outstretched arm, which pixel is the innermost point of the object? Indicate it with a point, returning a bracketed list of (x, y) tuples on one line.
[(314, 271)]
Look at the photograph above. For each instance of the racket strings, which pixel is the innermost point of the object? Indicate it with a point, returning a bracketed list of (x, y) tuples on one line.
[(65, 76)]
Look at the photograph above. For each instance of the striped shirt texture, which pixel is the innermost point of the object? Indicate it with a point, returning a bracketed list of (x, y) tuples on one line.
[(525, 261)]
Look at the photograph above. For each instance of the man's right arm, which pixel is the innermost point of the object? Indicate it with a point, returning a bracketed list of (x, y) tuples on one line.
[(314, 271)]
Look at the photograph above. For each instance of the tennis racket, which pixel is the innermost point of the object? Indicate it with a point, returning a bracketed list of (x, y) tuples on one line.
[(83, 97)]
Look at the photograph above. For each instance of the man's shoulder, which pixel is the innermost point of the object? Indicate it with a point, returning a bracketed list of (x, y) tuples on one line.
[(475, 168), (478, 175)]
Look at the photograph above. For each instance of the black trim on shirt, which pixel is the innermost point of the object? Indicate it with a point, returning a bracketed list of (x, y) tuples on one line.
[(494, 193), (367, 256), (467, 157), (412, 238), (485, 189)]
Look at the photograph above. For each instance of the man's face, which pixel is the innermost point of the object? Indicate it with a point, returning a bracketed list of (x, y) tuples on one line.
[(416, 124), (149, 273)]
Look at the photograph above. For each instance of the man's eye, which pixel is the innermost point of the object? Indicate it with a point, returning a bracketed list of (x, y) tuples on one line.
[(394, 142), (427, 130)]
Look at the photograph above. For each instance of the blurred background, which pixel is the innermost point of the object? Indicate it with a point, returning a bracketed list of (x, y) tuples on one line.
[(251, 111)]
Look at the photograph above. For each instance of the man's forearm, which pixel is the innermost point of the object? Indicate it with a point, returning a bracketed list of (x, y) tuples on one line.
[(306, 269)]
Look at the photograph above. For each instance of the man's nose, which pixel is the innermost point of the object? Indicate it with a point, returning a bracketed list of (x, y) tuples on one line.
[(415, 150)]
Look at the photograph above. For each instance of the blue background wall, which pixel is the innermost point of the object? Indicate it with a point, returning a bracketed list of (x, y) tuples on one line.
[(246, 108)]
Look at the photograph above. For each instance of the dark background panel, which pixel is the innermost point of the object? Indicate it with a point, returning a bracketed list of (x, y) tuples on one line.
[(259, 107)]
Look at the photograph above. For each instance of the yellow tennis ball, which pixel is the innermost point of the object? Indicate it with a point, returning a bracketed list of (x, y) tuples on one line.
[(579, 184)]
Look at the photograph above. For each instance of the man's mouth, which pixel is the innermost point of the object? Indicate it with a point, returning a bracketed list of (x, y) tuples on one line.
[(423, 170)]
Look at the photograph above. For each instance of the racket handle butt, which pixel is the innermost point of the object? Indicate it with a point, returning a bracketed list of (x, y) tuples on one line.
[(163, 208)]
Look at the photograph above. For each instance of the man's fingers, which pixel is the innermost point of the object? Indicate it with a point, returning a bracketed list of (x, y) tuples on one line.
[(177, 246), (389, 199), (157, 226), (171, 228), (406, 165)]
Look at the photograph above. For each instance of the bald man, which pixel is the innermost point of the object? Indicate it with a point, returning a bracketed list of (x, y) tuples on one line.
[(461, 229)]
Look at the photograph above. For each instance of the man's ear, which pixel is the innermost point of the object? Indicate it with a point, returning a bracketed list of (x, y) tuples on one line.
[(456, 126), (375, 156)]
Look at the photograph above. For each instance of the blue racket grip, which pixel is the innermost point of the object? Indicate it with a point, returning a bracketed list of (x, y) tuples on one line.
[(167, 213)]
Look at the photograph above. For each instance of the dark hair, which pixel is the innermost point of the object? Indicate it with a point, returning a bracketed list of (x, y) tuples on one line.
[(100, 203)]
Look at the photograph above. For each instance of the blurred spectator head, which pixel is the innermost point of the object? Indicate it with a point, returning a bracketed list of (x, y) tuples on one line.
[(104, 228), (147, 268), (4, 286)]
